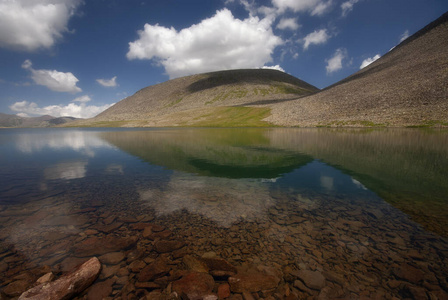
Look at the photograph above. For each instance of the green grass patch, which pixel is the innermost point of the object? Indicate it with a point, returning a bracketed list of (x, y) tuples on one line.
[(230, 94), (430, 123), (360, 123), (103, 124), (233, 117), (174, 102)]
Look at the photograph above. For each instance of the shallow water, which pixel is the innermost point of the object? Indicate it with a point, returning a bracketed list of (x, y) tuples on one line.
[(318, 212)]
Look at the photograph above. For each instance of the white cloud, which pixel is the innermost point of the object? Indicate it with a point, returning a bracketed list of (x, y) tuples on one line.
[(73, 110), (82, 99), (52, 79), (108, 82), (218, 43), (335, 63), (32, 24), (315, 7), (347, 6), (368, 61), (316, 37), (321, 8), (288, 23), (404, 36), (276, 67)]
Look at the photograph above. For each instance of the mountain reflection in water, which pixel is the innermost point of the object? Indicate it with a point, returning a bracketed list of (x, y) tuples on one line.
[(308, 209), (407, 168)]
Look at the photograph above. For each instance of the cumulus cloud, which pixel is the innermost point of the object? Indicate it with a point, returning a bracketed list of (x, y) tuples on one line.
[(347, 6), (315, 7), (335, 62), (404, 36), (108, 82), (73, 110), (32, 24), (82, 99), (316, 37), (368, 61), (218, 43), (52, 79), (288, 23)]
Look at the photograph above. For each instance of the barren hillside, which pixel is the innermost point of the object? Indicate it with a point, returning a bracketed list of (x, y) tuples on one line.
[(407, 86), (218, 99)]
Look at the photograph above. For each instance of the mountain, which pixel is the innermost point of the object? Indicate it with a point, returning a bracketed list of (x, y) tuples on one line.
[(42, 121), (225, 98), (408, 86)]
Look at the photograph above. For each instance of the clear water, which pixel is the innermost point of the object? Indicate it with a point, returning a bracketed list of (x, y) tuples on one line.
[(365, 209)]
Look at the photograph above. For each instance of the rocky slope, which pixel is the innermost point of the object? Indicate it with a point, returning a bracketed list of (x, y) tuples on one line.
[(225, 98), (407, 86)]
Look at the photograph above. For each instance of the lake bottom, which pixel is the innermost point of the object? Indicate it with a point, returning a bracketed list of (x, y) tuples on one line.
[(203, 243)]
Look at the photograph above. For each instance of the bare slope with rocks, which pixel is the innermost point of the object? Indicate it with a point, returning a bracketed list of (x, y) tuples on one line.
[(407, 86), (219, 98)]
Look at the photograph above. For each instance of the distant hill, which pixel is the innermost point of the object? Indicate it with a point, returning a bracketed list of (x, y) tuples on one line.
[(225, 98), (42, 121), (408, 86)]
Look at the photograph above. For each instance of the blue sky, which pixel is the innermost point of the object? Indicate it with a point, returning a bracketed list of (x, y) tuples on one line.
[(74, 57)]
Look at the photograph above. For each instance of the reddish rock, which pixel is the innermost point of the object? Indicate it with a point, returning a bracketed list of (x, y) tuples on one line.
[(98, 246), (108, 228), (112, 258), (194, 264), (194, 285), (147, 285), (70, 263), (67, 285), (163, 246), (137, 265), (16, 288), (409, 273), (223, 291), (140, 226), (156, 269), (219, 264), (252, 282), (312, 279), (100, 290)]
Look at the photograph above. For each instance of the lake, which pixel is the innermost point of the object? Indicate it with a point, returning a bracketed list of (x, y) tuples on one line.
[(279, 213)]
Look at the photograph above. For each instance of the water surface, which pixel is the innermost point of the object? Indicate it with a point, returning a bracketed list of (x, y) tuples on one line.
[(363, 211)]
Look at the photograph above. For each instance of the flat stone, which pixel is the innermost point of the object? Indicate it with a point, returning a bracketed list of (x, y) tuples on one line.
[(67, 285), (46, 278), (223, 291), (137, 265), (156, 269), (194, 285), (108, 228), (16, 288), (252, 282), (99, 246), (112, 258), (312, 279), (409, 273), (163, 246), (219, 264), (195, 264), (100, 290)]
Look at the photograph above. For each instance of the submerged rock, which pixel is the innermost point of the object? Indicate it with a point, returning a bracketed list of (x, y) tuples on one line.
[(252, 282), (98, 246), (68, 285), (194, 285)]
